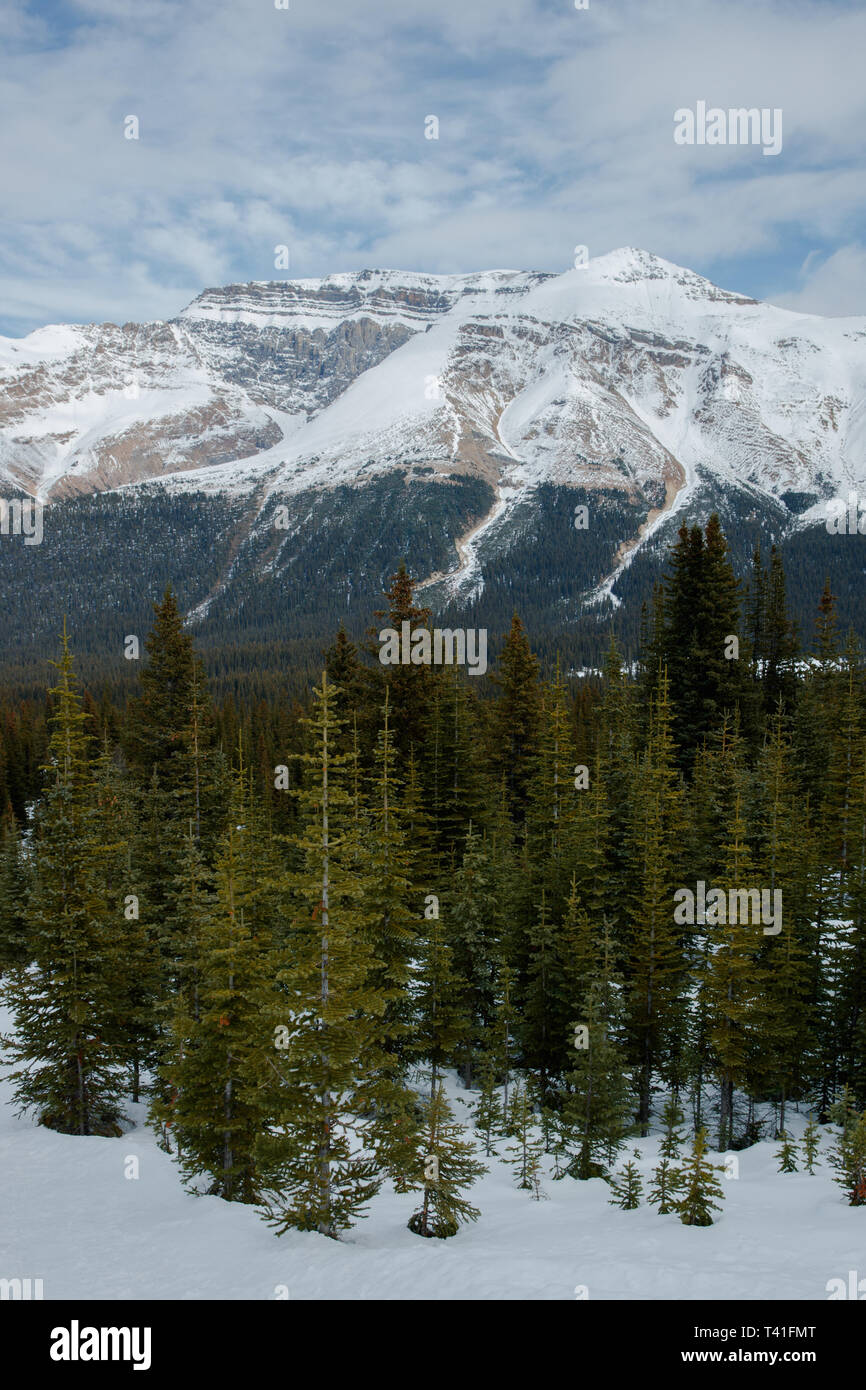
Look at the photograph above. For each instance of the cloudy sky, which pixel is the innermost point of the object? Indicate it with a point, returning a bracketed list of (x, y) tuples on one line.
[(305, 127)]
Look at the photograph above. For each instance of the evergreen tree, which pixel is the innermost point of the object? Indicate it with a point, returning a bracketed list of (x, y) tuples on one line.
[(596, 1102), (626, 1187), (787, 1154), (386, 862), (666, 1186), (783, 1019), (527, 1150), (546, 1007), (215, 1106), (409, 685), (734, 980), (455, 790), (552, 795), (811, 1145), (656, 959), (330, 1071), (780, 647), (131, 956), (182, 776), (63, 1007), (672, 1118), (701, 614), (849, 1160), (442, 1027), (516, 720), (534, 1173), (700, 1186), (446, 1166), (15, 949), (488, 1110), (473, 938)]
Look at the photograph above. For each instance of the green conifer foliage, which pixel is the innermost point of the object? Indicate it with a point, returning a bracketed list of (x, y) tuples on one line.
[(596, 1105), (131, 960), (473, 937), (488, 1110), (528, 1148), (811, 1145), (672, 1118), (666, 1186), (656, 957), (626, 1187), (63, 1008), (446, 1166), (330, 1074), (787, 1154), (849, 1160), (700, 1186), (516, 722), (215, 1107), (14, 886)]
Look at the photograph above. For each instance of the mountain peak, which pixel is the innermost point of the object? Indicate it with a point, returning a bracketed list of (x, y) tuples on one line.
[(631, 264)]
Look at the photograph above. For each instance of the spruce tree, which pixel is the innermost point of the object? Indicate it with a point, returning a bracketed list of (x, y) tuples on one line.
[(701, 614), (783, 1017), (672, 1118), (811, 1145), (666, 1186), (131, 960), (386, 861), (849, 1160), (596, 1102), (442, 1027), (182, 776), (528, 1149), (787, 1154), (700, 1186), (656, 957), (473, 938), (516, 718), (330, 1074), (553, 799), (14, 886), (409, 685), (214, 1072), (445, 1166), (488, 1110), (626, 1187), (63, 1007), (734, 980), (535, 1173)]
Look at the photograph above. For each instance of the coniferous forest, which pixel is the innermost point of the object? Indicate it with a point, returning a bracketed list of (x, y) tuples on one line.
[(604, 907)]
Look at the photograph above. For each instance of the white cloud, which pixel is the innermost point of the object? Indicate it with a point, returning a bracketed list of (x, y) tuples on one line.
[(834, 286), (305, 127)]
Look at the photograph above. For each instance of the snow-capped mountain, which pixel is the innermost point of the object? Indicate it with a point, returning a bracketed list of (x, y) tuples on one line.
[(629, 373), (630, 380)]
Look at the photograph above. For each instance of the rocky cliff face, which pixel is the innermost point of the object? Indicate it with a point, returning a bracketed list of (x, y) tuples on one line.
[(630, 378)]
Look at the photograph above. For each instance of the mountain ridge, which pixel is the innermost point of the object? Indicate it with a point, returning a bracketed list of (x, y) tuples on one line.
[(468, 405)]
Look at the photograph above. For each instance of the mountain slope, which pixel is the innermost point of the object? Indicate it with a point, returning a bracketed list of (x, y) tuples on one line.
[(630, 385)]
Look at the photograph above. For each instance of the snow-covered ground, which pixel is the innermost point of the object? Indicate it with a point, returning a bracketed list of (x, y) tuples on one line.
[(72, 1218)]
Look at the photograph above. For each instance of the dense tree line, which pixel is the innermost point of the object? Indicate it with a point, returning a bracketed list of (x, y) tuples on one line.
[(285, 922)]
